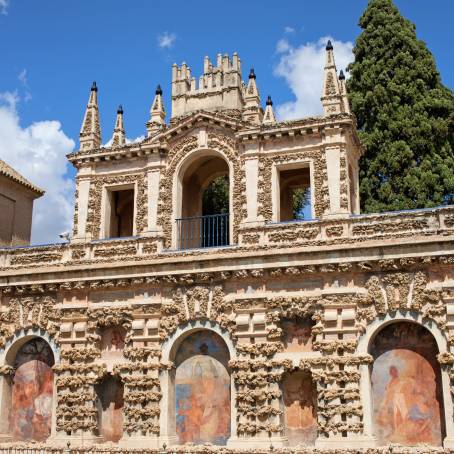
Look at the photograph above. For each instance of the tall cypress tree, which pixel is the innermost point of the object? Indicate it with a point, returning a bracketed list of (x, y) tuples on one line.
[(405, 115)]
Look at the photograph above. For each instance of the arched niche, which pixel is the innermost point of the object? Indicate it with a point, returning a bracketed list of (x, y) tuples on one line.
[(406, 386), (110, 403), (32, 389), (297, 334), (112, 342), (192, 219), (198, 406), (299, 397)]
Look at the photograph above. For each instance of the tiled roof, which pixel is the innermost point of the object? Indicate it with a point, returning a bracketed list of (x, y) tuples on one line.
[(9, 172)]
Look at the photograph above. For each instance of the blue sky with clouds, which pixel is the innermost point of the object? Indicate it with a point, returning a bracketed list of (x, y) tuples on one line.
[(51, 51)]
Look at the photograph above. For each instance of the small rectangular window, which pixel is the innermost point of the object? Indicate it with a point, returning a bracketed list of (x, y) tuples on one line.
[(295, 194), (120, 213)]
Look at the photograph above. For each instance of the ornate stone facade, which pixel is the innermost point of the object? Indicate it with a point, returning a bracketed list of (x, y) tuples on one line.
[(272, 340)]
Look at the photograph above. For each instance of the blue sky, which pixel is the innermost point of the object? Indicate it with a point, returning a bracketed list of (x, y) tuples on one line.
[(52, 50)]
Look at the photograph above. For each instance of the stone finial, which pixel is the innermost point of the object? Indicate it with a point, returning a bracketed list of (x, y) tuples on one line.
[(252, 111), (119, 136), (157, 113), (331, 97), (343, 92), (269, 116), (90, 132)]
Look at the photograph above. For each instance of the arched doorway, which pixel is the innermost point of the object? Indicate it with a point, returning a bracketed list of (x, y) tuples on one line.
[(202, 389), (406, 386), (203, 201), (32, 391)]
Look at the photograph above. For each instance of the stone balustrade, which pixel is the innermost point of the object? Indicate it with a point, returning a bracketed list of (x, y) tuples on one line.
[(415, 225)]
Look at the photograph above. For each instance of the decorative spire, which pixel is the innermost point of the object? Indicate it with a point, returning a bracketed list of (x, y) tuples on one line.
[(157, 113), (269, 116), (343, 92), (90, 133), (119, 136), (252, 112), (331, 98)]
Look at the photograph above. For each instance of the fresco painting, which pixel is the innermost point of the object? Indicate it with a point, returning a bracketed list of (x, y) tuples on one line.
[(32, 392), (113, 342), (297, 334), (300, 409), (110, 394), (406, 386), (202, 390)]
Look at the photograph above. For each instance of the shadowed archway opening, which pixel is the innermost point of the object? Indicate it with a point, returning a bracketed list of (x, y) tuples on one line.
[(406, 386), (299, 396), (204, 201), (110, 395)]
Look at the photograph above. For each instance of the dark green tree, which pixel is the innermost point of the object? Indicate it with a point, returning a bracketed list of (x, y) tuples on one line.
[(405, 115), (215, 199)]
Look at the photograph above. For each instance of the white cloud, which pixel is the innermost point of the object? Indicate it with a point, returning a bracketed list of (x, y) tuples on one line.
[(4, 6), (38, 152), (302, 69), (22, 77), (282, 46), (128, 141), (289, 29), (166, 40)]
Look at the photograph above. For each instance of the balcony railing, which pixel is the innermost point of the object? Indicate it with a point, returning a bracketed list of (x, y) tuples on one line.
[(203, 231)]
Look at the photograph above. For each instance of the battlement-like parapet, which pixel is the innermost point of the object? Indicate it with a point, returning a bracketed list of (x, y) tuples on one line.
[(220, 87)]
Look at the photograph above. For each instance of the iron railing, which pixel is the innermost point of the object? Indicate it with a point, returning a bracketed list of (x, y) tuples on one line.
[(203, 231)]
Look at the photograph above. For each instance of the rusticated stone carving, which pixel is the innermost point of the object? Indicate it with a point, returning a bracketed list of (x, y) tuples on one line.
[(29, 312)]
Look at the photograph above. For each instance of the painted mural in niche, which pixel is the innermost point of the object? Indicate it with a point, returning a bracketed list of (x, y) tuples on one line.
[(300, 401), (406, 386), (113, 342), (32, 392), (111, 401), (202, 390), (297, 334)]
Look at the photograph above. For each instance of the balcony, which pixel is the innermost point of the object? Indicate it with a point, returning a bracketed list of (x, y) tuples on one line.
[(203, 231)]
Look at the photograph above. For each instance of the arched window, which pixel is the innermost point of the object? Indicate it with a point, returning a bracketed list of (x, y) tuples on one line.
[(300, 402), (202, 389), (406, 386), (32, 392)]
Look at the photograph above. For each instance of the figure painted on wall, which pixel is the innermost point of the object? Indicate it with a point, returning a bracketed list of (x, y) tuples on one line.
[(32, 392), (300, 401), (202, 388), (297, 334), (406, 384), (113, 342), (110, 394)]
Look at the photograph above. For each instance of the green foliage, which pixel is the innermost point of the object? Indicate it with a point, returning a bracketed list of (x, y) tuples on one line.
[(405, 115), (300, 200), (215, 198)]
